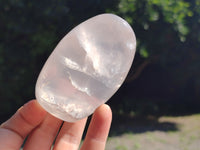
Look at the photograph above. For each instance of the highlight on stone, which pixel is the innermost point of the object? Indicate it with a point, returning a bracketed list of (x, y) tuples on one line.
[(86, 68)]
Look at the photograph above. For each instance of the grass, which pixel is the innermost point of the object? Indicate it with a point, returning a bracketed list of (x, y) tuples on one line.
[(164, 133), (121, 147), (174, 133), (137, 146)]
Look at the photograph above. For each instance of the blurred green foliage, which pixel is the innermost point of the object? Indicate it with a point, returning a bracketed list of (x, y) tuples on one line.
[(167, 62)]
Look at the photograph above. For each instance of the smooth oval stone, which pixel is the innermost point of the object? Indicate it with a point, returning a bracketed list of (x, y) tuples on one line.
[(86, 68)]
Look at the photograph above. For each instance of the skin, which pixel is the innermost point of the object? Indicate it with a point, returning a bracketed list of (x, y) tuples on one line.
[(42, 128)]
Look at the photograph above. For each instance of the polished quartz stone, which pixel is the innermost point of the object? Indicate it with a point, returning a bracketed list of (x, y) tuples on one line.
[(86, 68)]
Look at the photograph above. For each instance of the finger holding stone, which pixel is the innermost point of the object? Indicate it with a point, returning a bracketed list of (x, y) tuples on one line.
[(43, 136), (98, 129), (14, 131), (70, 135)]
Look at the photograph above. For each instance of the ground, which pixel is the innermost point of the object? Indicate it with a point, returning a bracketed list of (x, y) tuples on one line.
[(155, 133)]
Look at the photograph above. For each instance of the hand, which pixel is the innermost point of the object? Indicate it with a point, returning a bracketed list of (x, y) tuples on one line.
[(41, 128)]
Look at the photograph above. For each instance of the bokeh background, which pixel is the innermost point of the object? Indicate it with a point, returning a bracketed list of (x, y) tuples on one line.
[(165, 75)]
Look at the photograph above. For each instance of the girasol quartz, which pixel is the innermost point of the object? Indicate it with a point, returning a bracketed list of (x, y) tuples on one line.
[(87, 67)]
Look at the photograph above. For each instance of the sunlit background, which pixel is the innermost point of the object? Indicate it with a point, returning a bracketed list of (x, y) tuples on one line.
[(162, 91)]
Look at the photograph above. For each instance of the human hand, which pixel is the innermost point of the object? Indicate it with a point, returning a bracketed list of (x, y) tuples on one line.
[(42, 128)]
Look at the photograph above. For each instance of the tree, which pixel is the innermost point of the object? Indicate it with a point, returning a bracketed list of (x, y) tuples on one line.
[(168, 39), (167, 59)]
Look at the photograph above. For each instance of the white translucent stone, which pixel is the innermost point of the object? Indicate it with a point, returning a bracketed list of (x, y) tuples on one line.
[(86, 68)]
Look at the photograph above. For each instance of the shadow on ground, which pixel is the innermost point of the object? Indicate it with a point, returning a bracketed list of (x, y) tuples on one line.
[(126, 124)]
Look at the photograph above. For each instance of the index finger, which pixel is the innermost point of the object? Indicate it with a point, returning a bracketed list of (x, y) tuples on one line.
[(14, 131)]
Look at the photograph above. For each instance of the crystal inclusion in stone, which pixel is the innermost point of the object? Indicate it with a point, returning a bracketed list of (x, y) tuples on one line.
[(86, 68)]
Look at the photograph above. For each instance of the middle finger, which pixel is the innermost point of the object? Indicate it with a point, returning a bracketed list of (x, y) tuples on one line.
[(70, 135)]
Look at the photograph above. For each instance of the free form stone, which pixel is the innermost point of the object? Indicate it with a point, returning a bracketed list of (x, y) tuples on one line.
[(86, 68)]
